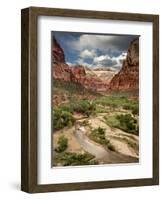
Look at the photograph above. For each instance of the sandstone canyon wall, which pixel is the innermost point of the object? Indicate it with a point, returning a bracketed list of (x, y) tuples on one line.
[(128, 76), (125, 80), (76, 74)]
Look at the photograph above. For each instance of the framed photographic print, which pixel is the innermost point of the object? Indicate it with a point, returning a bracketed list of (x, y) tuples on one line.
[(90, 100)]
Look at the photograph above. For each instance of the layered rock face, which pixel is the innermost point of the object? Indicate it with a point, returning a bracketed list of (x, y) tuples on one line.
[(58, 53), (77, 74), (128, 77)]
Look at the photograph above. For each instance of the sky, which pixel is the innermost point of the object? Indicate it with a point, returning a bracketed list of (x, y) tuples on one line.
[(94, 50)]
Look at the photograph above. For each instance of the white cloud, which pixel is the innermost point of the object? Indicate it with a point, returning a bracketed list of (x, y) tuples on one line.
[(104, 60), (70, 64), (87, 53), (101, 58), (81, 61), (107, 61), (120, 58)]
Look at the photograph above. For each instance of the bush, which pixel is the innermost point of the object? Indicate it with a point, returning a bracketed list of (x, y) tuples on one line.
[(134, 107), (62, 119), (112, 101), (85, 123), (84, 106), (110, 146), (118, 101), (62, 144), (135, 110), (127, 122), (66, 108), (73, 159), (98, 135)]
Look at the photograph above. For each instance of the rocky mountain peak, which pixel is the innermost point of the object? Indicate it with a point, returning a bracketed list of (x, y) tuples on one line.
[(126, 79), (58, 53), (128, 76)]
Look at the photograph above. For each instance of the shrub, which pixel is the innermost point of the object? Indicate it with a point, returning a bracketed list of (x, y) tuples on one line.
[(72, 159), (66, 108), (85, 123), (112, 101), (62, 144), (110, 146), (84, 106), (125, 122), (135, 110), (127, 106), (98, 135), (61, 119), (134, 107)]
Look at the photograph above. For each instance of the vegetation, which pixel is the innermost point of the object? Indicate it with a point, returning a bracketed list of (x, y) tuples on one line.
[(100, 109), (62, 144), (62, 118), (72, 88), (117, 102), (135, 110), (98, 135), (73, 99), (85, 123), (72, 159), (130, 143), (84, 107), (125, 122), (110, 146)]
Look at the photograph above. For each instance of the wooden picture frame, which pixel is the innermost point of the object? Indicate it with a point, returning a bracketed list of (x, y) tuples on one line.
[(29, 110)]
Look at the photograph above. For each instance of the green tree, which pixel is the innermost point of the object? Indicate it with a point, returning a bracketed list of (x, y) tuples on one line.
[(62, 144), (62, 118)]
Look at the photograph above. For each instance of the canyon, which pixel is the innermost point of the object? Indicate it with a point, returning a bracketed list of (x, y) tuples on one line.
[(95, 113), (99, 79), (128, 76)]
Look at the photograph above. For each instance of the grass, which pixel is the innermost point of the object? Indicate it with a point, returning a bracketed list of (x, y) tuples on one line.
[(124, 122), (74, 159), (98, 135), (117, 102)]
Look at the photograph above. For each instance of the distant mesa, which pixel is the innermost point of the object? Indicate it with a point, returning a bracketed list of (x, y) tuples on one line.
[(98, 79)]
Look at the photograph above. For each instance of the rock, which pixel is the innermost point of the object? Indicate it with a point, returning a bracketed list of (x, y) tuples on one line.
[(58, 53), (126, 79), (77, 74), (128, 76)]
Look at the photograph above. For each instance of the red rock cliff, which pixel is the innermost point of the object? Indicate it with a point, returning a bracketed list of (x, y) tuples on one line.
[(58, 53), (128, 76), (77, 74)]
